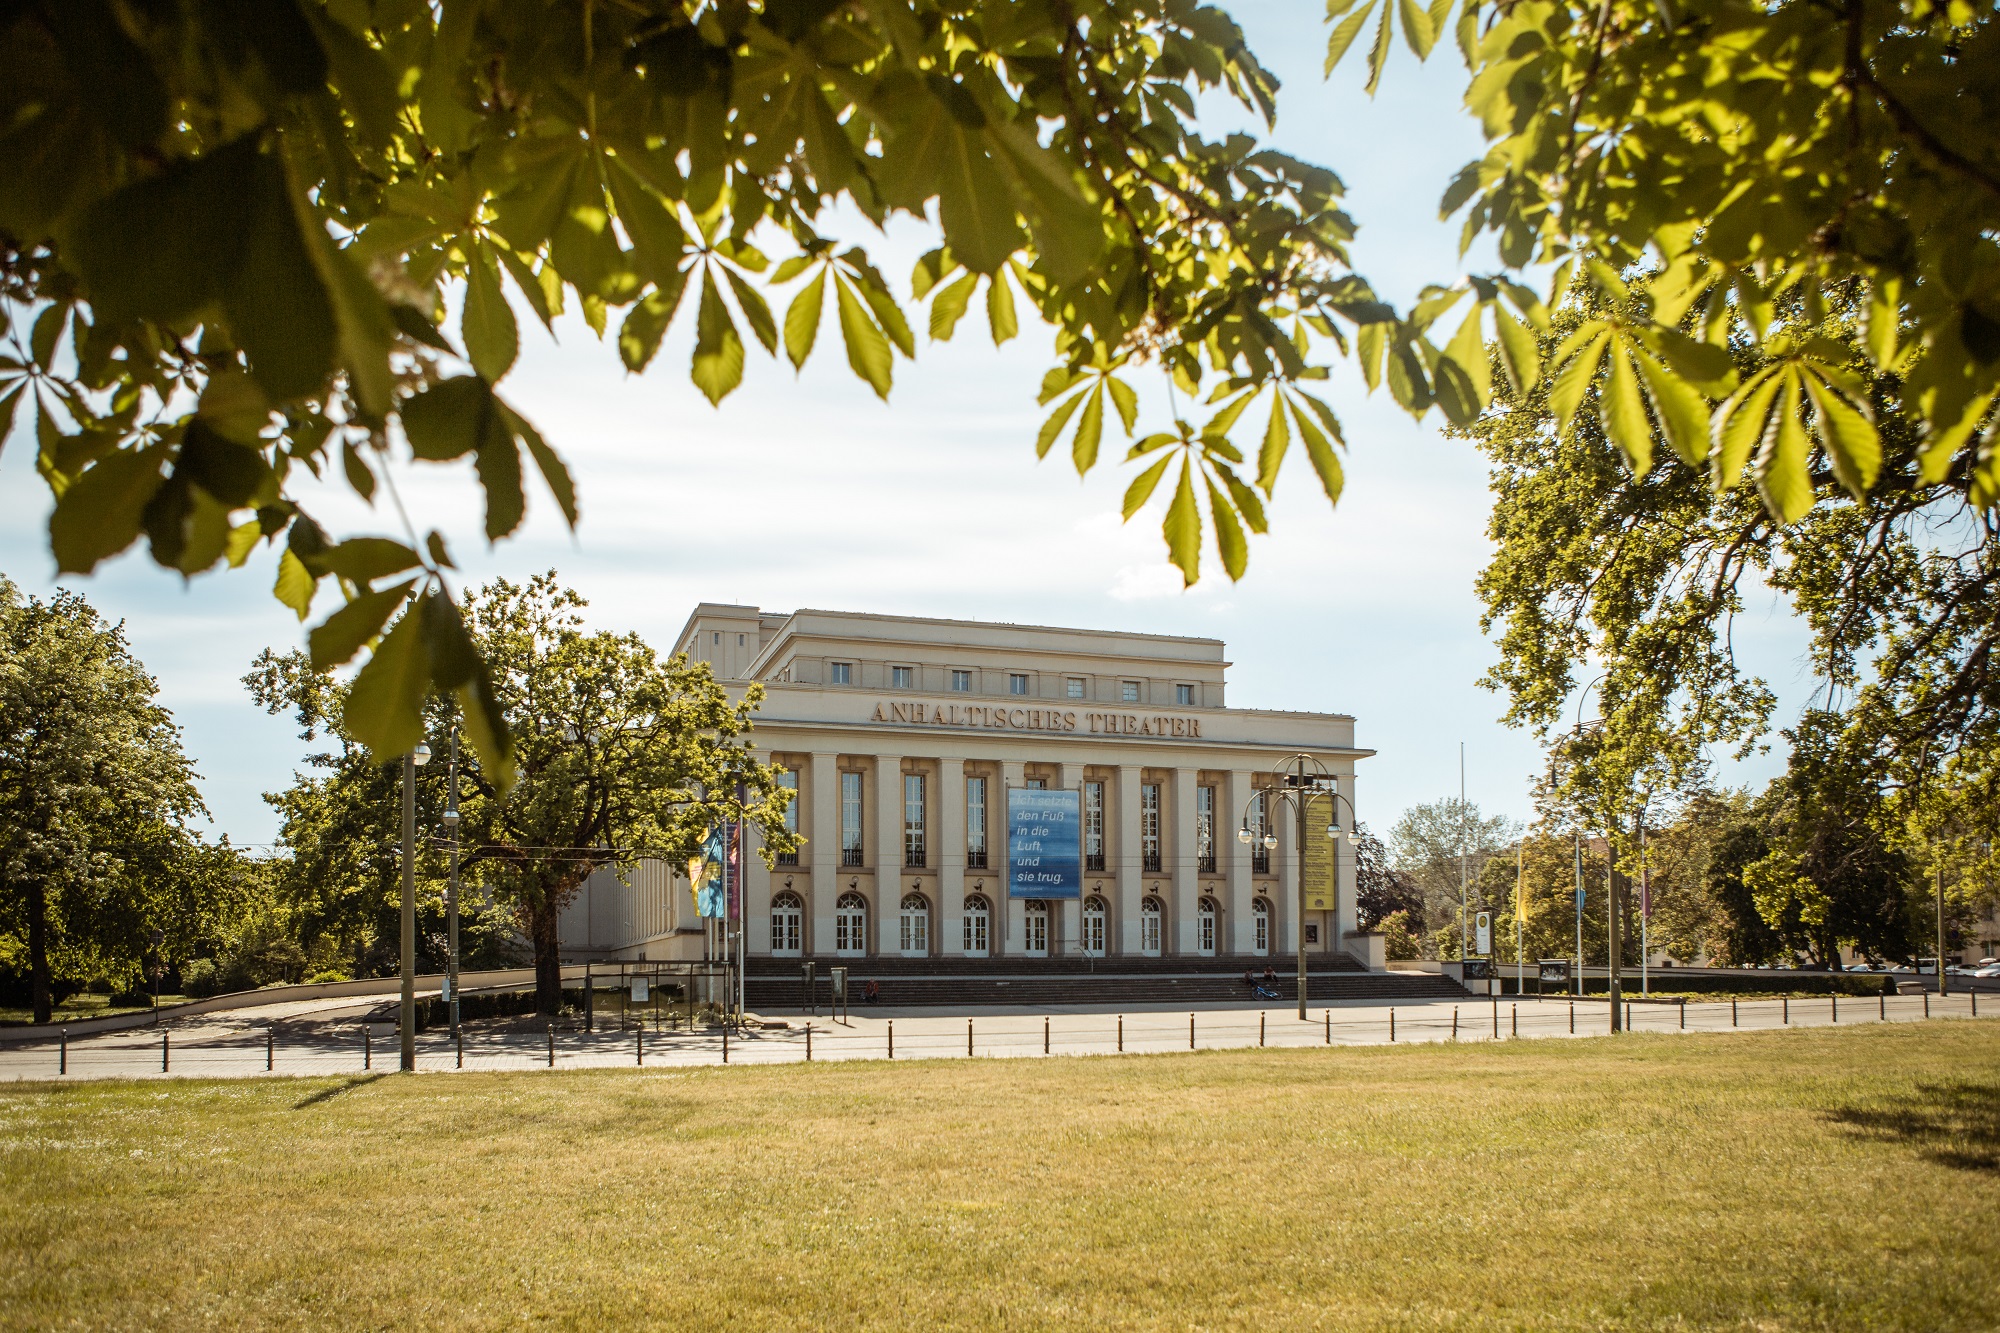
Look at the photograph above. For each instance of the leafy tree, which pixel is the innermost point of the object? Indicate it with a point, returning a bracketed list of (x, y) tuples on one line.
[(1546, 874), (1427, 840), (227, 236), (1381, 889), (1706, 162), (619, 755), (95, 794)]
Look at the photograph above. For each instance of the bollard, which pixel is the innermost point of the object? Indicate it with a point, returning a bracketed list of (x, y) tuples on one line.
[(1628, 1015), (62, 1058), (1732, 1013), (459, 1037), (1496, 1018), (639, 1045), (165, 1062), (1045, 1033), (270, 1048), (1190, 1031), (1514, 1020), (1684, 1015), (1572, 1018), (1329, 1027), (367, 1047), (552, 1045), (1392, 1023), (1788, 1010), (968, 1038), (809, 1043), (1975, 1003), (1260, 1029), (892, 1039), (1882, 1008), (1927, 1004), (1835, 1001), (725, 1043), (1121, 1033), (1454, 1022)]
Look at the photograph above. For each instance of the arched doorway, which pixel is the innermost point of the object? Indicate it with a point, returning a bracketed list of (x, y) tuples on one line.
[(1260, 916), (916, 926), (1151, 913), (1205, 928), (978, 922), (1094, 913), (1035, 929), (850, 925), (788, 913)]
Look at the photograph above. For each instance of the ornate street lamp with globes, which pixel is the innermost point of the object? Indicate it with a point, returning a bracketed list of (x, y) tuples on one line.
[(1297, 781), (412, 761)]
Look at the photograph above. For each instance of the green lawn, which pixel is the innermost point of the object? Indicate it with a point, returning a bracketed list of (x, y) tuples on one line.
[(1817, 1179), (78, 1007)]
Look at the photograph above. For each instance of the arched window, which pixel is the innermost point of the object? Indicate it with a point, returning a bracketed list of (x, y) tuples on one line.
[(1205, 939), (978, 921), (1151, 912), (1094, 913), (916, 923), (1036, 925), (1260, 914), (787, 924), (850, 925)]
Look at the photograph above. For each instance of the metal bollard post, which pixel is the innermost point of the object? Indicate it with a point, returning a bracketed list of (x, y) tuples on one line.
[(552, 1043), (1329, 1027), (1190, 1031), (968, 1039), (1732, 1013), (1260, 1029), (639, 1046), (1975, 1003), (367, 1047), (1045, 1033), (1454, 1022), (1496, 1018), (1684, 1015), (1834, 1000), (165, 1062), (809, 1043), (1514, 1020), (459, 1037), (1572, 1018), (62, 1058), (1927, 1004), (1121, 1033), (892, 1039), (1392, 1023), (725, 1043), (1788, 1010), (270, 1048), (1882, 1008)]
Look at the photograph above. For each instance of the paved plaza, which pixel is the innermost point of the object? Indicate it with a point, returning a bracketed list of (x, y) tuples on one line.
[(305, 1037)]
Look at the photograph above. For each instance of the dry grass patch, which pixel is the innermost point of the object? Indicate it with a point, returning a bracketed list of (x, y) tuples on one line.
[(1805, 1179)]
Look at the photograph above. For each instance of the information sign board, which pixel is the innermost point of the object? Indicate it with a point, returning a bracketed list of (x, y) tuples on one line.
[(1044, 843), (1483, 930), (1322, 853), (1554, 971)]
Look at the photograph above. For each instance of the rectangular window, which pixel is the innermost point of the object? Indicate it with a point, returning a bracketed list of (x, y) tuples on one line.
[(739, 641), (913, 820), (1128, 691), (718, 637), (1149, 826), (1093, 826), (1260, 824), (1204, 829), (903, 678), (1037, 784), (1075, 687), (975, 823), (790, 782), (841, 673), (851, 846), (1017, 683), (961, 682), (1184, 695)]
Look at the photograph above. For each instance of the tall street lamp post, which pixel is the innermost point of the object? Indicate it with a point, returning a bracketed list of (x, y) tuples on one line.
[(1298, 780), (412, 761), (451, 887), (1577, 832)]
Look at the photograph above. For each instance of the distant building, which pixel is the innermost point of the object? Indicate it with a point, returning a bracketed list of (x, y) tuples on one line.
[(904, 736)]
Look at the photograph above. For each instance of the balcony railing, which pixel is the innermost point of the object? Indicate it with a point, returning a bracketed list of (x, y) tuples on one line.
[(975, 859), (1094, 861), (1150, 861), (913, 856), (1260, 861), (851, 856), (1205, 863), (788, 858)]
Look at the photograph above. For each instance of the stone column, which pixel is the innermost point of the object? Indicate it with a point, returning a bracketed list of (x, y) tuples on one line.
[(1238, 932), (948, 818), (1009, 924), (1068, 923), (756, 897), (888, 855), (822, 851), (1180, 836), (1125, 857), (1285, 911)]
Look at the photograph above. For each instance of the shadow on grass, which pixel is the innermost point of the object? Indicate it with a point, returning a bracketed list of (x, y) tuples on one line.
[(328, 1094), (1953, 1124)]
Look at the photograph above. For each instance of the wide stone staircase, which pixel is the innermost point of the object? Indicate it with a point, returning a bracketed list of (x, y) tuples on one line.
[(777, 983)]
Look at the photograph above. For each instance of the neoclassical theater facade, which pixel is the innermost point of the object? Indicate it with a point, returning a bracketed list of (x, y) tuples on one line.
[(904, 737)]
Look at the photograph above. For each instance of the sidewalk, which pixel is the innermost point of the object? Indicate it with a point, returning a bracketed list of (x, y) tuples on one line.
[(240, 1043)]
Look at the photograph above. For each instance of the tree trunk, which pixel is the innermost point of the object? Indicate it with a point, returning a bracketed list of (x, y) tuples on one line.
[(38, 951), (548, 957)]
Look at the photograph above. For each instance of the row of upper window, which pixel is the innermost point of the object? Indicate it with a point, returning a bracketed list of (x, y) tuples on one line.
[(1018, 682)]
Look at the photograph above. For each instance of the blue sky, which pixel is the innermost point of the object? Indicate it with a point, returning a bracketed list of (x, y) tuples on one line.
[(807, 491)]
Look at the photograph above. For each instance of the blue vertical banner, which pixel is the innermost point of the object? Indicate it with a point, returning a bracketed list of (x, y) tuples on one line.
[(1044, 843), (735, 869)]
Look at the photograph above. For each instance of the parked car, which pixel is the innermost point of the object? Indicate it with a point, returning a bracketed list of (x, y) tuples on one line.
[(1857, 967), (1990, 970)]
